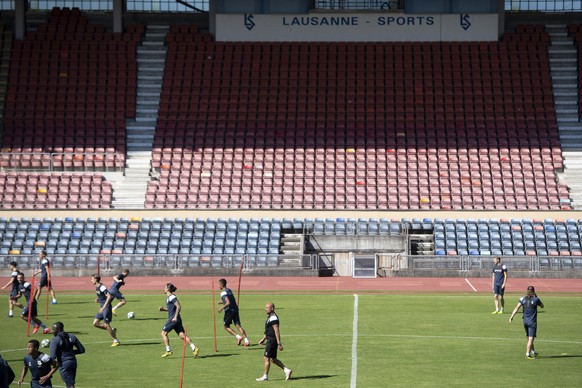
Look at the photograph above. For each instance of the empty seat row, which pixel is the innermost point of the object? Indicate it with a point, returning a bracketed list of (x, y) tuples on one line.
[(45, 104), (70, 236), (54, 190)]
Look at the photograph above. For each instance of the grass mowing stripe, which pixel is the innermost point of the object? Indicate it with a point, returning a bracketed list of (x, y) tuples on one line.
[(355, 344)]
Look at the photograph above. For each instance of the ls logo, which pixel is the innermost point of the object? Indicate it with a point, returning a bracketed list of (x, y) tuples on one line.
[(465, 21), (249, 23)]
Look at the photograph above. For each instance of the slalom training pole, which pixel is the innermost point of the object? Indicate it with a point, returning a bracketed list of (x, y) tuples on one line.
[(242, 262), (31, 300), (214, 317), (48, 289), (183, 357)]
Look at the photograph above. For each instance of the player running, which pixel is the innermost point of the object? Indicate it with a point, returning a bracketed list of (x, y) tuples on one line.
[(231, 313), (104, 299)]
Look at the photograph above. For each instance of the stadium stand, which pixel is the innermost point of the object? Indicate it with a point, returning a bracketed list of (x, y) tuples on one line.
[(315, 126), (224, 239), (70, 88), (575, 31), (295, 126), (28, 190)]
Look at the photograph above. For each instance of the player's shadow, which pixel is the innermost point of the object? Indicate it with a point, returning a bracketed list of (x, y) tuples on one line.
[(312, 377), (149, 319), (563, 356), (218, 355), (142, 343)]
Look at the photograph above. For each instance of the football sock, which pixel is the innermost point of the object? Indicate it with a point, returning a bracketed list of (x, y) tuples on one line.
[(168, 349), (238, 336), (192, 346)]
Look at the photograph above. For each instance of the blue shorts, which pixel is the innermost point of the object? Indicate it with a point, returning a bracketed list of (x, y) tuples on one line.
[(37, 384), (44, 282), (14, 294), (176, 326), (105, 316), (530, 329), (116, 294), (24, 312), (498, 290), (68, 372), (231, 317)]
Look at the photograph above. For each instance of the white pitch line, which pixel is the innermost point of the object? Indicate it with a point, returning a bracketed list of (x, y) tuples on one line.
[(355, 344), (470, 285)]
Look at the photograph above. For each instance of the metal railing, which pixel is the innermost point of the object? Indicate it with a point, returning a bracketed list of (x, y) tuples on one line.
[(543, 5), (62, 161), (107, 5), (359, 4), (473, 263), (169, 261), (202, 5)]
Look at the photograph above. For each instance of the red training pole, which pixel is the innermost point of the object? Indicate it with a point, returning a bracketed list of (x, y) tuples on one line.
[(31, 300), (49, 287), (214, 317), (242, 262), (183, 357)]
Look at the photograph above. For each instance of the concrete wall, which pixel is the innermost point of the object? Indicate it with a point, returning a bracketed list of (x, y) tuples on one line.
[(333, 244)]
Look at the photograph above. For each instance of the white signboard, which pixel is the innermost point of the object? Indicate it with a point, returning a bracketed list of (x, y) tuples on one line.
[(356, 27)]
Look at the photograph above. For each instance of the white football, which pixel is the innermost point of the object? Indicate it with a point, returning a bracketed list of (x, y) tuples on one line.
[(45, 343), (131, 315)]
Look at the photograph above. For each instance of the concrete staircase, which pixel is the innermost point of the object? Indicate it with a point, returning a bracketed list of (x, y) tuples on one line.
[(292, 243), (564, 72), (129, 192)]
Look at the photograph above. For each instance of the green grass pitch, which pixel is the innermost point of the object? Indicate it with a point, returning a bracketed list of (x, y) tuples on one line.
[(402, 340)]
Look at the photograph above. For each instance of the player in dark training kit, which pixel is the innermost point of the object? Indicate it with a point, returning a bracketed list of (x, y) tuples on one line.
[(104, 299), (499, 279), (174, 322), (42, 367), (231, 314), (14, 285), (64, 348), (272, 338), (25, 289), (45, 277), (530, 304), (114, 290)]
